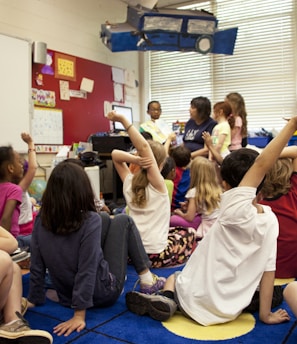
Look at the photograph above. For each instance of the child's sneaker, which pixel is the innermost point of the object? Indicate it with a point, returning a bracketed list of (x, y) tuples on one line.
[(20, 332), (158, 307), (158, 283)]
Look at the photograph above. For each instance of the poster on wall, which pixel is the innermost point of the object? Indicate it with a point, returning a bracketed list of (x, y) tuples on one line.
[(43, 97)]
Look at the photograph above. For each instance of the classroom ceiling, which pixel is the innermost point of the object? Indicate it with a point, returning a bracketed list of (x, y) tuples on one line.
[(165, 3), (176, 3)]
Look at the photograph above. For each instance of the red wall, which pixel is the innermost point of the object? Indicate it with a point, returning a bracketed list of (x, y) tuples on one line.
[(81, 117)]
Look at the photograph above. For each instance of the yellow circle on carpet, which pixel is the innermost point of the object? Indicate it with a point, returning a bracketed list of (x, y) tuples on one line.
[(283, 281), (184, 327)]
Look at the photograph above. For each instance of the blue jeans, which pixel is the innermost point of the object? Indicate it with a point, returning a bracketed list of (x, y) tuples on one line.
[(24, 241)]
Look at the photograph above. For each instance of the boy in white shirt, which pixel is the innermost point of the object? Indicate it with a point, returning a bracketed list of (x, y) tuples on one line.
[(238, 254)]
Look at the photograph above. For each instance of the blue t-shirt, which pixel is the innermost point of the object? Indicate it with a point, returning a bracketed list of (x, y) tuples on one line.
[(193, 133)]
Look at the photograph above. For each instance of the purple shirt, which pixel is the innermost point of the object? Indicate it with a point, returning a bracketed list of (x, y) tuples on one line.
[(10, 191)]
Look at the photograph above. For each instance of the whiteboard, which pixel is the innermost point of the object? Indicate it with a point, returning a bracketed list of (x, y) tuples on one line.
[(15, 90), (47, 126)]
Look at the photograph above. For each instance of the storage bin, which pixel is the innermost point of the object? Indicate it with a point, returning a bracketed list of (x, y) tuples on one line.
[(259, 141)]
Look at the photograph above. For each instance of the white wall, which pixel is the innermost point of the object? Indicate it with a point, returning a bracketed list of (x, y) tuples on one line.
[(69, 26)]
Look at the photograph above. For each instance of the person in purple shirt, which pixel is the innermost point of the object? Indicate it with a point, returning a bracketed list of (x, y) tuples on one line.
[(200, 121)]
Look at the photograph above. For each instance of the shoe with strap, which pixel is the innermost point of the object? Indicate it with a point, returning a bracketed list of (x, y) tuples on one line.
[(19, 331), (158, 307), (145, 288)]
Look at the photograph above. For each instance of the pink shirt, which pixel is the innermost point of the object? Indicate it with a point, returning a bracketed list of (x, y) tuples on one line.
[(236, 136), (10, 191)]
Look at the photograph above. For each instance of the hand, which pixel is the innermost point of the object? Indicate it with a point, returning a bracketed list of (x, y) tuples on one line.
[(171, 137), (207, 138), (184, 206), (144, 162), (77, 323), (115, 117), (277, 317), (26, 138)]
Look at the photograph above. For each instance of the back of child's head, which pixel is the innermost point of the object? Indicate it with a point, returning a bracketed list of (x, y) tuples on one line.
[(278, 179), (236, 164), (204, 179), (6, 157), (225, 107), (67, 198), (140, 180), (168, 168), (159, 151), (181, 155)]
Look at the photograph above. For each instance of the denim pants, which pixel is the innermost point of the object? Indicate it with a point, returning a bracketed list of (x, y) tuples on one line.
[(120, 239)]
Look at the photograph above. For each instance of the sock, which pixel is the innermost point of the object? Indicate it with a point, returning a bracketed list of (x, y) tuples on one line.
[(168, 293), (146, 278)]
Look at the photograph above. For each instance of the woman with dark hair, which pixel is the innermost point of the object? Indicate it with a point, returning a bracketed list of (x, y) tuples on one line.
[(85, 252), (199, 122)]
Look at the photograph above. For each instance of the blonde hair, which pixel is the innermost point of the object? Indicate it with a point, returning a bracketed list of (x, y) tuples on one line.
[(204, 179), (278, 179), (140, 180)]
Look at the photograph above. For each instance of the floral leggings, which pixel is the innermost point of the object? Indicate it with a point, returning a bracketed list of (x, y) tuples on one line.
[(181, 243)]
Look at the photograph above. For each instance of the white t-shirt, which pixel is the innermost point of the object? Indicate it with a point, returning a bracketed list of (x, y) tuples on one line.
[(152, 221), (223, 273), (26, 209)]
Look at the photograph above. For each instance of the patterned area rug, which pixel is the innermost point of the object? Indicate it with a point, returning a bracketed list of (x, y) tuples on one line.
[(117, 325)]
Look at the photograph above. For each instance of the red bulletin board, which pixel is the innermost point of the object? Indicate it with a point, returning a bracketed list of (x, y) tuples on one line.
[(81, 117)]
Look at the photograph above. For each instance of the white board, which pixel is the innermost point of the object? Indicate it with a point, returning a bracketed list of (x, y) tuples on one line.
[(15, 90)]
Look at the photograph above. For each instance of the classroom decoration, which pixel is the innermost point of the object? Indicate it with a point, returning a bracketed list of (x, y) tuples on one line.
[(65, 67), (47, 126), (36, 189), (169, 30)]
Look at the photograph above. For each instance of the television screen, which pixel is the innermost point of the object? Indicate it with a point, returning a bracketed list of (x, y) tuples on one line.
[(123, 110)]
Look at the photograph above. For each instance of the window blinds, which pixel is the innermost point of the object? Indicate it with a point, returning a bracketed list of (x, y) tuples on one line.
[(262, 69)]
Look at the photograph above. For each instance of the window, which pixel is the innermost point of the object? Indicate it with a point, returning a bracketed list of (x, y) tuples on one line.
[(262, 69)]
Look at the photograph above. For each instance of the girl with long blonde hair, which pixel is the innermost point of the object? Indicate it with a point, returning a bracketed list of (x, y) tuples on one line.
[(146, 195), (203, 196)]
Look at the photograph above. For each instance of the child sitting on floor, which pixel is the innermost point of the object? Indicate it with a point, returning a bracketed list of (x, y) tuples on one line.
[(85, 252), (147, 198), (203, 198), (236, 256), (280, 193)]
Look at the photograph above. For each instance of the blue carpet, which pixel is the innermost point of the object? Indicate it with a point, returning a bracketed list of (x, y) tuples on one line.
[(117, 325)]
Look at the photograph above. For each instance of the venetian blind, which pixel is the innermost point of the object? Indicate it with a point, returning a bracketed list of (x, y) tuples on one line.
[(262, 69)]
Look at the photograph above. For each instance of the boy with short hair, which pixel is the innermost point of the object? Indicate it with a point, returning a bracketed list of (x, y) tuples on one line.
[(238, 254)]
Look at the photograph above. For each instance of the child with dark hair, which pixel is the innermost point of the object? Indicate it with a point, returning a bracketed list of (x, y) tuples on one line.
[(200, 120), (236, 256), (85, 252), (11, 173), (182, 158)]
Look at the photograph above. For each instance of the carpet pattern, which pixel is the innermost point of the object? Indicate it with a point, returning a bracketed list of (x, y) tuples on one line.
[(117, 325)]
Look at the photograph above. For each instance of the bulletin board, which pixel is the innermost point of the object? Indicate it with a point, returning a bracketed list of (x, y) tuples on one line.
[(47, 126), (82, 117)]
